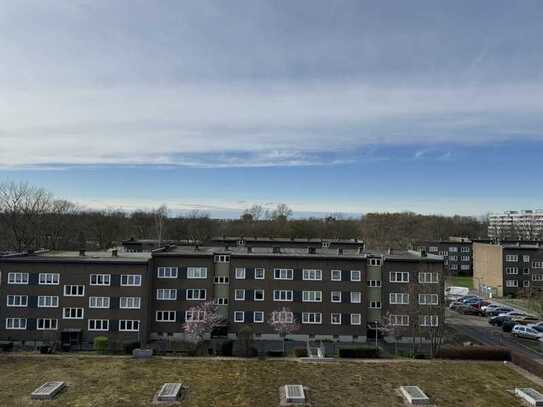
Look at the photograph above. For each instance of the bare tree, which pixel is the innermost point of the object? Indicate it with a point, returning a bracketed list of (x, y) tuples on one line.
[(203, 319), (283, 323), (160, 217)]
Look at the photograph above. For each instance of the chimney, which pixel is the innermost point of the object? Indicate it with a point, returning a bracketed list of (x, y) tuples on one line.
[(82, 252), (312, 250), (389, 251), (423, 253), (114, 253), (340, 251), (276, 249), (249, 249)]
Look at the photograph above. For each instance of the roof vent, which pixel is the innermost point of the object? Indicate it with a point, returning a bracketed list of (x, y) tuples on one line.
[(340, 251), (249, 249), (114, 253), (531, 396), (312, 250), (276, 249), (414, 395), (294, 394), (82, 252), (47, 391), (169, 392)]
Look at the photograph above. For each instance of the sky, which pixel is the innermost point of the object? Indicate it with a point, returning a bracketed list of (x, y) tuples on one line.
[(328, 106)]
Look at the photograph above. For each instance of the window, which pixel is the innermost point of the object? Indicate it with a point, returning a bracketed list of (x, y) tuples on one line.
[(221, 280), (196, 294), (433, 249), (131, 280), (312, 275), (537, 277), (465, 267), (259, 295), (129, 325), (335, 318), (537, 265), (283, 316), (98, 302), (526, 270), (283, 274), (443, 253), (17, 300), (335, 296), (511, 257), (74, 290), (375, 262), (282, 295), (335, 275), (195, 316), (239, 295), (258, 317), (511, 283), (375, 304), (197, 272), (167, 272), (239, 316), (399, 320), (356, 319), (18, 278), (49, 278), (428, 299), (453, 258), (47, 324), (355, 275), (429, 320), (166, 294), (465, 249), (453, 267), (526, 283), (526, 258), (465, 258), (72, 313), (311, 318), (98, 324), (221, 301), (399, 277), (374, 283), (100, 279), (511, 270), (453, 249), (47, 301), (398, 298), (15, 323), (356, 297), (428, 278), (130, 303), (259, 273), (312, 296), (165, 316), (240, 273), (222, 258)]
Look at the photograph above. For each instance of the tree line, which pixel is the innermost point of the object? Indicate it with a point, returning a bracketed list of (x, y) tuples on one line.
[(32, 218)]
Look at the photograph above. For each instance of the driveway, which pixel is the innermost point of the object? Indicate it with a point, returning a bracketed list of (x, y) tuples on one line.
[(481, 331)]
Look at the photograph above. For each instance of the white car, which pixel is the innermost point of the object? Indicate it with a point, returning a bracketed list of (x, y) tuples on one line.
[(489, 307), (526, 332), (512, 314)]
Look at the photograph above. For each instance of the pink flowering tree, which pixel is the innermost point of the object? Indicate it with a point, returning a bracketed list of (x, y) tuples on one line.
[(201, 320), (283, 323)]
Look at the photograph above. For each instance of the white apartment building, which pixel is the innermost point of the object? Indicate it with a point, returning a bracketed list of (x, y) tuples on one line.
[(523, 224)]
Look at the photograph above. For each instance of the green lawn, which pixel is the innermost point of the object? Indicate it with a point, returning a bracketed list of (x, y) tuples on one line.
[(111, 381), (460, 281)]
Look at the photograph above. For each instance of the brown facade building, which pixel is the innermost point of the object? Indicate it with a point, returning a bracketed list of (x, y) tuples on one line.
[(333, 292), (456, 252)]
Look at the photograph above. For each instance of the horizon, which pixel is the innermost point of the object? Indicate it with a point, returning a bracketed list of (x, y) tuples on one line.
[(427, 107)]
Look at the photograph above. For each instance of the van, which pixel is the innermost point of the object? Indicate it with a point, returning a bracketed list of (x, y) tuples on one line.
[(453, 293)]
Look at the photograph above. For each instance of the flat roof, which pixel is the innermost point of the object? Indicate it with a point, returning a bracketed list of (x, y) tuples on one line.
[(105, 256)]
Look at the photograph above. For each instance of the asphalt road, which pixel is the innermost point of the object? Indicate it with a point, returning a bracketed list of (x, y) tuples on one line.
[(481, 331)]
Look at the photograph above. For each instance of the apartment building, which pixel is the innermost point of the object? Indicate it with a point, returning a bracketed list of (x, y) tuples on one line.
[(508, 269), (291, 243), (332, 293), (523, 224), (456, 252)]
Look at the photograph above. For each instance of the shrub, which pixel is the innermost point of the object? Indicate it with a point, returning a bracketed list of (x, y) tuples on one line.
[(358, 353), (227, 347), (101, 344), (474, 353), (275, 353), (128, 347), (300, 352)]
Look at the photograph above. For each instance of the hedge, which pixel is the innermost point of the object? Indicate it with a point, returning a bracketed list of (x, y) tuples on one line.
[(101, 344), (300, 352), (474, 353), (358, 353)]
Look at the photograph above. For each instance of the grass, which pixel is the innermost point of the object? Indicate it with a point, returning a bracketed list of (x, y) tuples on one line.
[(460, 281), (110, 381), (524, 304)]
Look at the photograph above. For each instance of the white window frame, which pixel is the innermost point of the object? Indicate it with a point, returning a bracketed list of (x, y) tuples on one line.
[(96, 302), (429, 320), (311, 275), (131, 280), (77, 311), (69, 288), (537, 277), (126, 323), (161, 294), (160, 316), (19, 327), (398, 298), (100, 280), (98, 325), (430, 277), (354, 317), (220, 301), (260, 270), (239, 320), (193, 296), (375, 305), (375, 283), (17, 304), (311, 296), (48, 298), (393, 277), (312, 318), (283, 316), (222, 258), (359, 297), (375, 262), (18, 278), (222, 280), (196, 273), (526, 258), (48, 278), (512, 258), (239, 294), (283, 274), (166, 272), (261, 320), (511, 283), (240, 273), (130, 302), (332, 297), (332, 318), (200, 315), (259, 290), (53, 324), (399, 320), (525, 283), (333, 275), (277, 295), (428, 299), (537, 264), (353, 273), (511, 270)]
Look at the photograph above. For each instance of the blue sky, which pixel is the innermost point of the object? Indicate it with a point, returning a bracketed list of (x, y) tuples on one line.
[(347, 106)]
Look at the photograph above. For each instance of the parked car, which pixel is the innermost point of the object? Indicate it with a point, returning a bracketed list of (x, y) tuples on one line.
[(498, 320), (471, 300), (508, 326), (490, 307), (497, 311), (537, 327), (468, 309), (454, 305), (526, 332), (453, 293), (512, 314), (480, 304)]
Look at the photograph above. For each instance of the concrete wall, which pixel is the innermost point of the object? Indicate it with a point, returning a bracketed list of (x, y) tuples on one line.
[(488, 268)]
